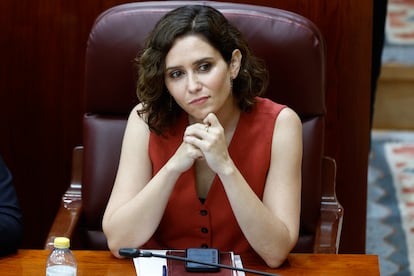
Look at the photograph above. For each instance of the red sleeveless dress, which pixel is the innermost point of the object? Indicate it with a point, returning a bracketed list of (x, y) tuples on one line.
[(189, 223)]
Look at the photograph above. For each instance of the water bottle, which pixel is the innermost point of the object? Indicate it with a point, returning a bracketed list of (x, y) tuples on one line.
[(61, 260)]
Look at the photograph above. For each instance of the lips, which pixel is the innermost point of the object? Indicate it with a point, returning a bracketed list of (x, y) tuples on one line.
[(199, 100)]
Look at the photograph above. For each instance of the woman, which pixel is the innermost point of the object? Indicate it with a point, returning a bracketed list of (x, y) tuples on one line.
[(205, 162)]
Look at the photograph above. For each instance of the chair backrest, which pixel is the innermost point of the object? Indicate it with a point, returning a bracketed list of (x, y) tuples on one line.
[(291, 46)]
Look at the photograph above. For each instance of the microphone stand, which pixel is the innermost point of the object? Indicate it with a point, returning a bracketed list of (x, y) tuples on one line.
[(133, 253)]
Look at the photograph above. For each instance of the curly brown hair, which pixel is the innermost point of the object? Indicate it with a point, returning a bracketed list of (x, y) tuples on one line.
[(159, 109)]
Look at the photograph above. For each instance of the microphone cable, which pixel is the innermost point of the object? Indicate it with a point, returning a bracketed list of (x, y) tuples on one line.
[(134, 253)]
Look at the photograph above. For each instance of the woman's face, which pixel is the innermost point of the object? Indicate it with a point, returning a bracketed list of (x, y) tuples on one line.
[(198, 77)]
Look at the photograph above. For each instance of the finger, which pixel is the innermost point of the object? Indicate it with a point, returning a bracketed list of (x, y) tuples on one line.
[(196, 154), (211, 120), (194, 141), (192, 151), (198, 130)]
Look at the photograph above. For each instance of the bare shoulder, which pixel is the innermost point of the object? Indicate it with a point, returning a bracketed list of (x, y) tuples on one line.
[(288, 118), (135, 112), (137, 130), (287, 133), (135, 143), (136, 118)]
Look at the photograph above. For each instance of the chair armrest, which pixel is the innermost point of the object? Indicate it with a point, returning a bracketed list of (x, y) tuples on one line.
[(70, 208), (329, 227)]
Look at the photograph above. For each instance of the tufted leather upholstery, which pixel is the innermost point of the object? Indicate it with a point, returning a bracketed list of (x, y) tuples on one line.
[(292, 48)]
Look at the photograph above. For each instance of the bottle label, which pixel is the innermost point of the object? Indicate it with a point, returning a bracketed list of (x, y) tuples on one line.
[(61, 270)]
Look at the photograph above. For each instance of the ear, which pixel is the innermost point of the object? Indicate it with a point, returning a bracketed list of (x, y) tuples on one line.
[(235, 63)]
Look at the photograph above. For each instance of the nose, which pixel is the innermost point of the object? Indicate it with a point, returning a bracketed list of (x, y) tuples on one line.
[(194, 84)]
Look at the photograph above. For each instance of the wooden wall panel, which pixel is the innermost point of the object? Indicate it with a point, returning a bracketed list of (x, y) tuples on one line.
[(347, 28), (42, 45), (41, 79)]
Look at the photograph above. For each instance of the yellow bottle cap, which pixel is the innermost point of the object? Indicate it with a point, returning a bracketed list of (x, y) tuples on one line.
[(61, 242)]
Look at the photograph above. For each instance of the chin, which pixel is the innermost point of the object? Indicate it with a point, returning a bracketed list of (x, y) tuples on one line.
[(198, 117)]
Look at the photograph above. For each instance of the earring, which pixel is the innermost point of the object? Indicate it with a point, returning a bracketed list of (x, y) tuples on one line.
[(170, 103), (231, 82)]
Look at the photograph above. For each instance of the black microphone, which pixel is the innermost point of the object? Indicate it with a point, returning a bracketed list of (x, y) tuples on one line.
[(134, 253)]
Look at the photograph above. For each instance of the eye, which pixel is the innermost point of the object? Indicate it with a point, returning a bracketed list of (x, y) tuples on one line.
[(175, 74), (204, 67)]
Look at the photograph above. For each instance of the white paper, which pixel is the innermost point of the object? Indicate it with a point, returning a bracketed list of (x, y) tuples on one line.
[(150, 266), (238, 263)]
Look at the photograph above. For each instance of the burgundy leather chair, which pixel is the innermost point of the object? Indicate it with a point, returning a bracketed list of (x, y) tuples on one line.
[(294, 51)]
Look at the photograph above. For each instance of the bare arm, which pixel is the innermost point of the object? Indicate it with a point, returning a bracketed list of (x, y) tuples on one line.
[(138, 200), (271, 226)]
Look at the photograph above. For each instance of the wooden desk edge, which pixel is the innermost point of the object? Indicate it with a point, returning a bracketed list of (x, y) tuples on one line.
[(33, 261)]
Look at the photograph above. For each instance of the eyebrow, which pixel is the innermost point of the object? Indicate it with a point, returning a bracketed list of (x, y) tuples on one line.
[(194, 63)]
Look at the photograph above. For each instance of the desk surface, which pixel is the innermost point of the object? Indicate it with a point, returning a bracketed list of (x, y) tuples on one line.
[(32, 262)]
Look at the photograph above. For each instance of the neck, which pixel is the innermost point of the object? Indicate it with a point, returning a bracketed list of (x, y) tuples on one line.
[(229, 116)]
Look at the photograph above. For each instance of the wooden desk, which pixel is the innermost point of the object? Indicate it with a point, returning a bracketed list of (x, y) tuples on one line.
[(32, 262)]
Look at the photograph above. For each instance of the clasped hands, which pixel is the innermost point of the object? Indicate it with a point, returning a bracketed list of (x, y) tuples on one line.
[(206, 141)]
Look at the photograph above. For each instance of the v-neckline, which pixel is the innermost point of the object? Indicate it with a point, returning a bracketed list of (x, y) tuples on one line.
[(215, 180)]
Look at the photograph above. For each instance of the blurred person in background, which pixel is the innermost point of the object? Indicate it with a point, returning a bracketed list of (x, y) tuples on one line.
[(11, 228)]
